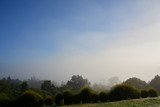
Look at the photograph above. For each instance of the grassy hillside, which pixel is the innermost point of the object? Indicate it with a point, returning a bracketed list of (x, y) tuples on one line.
[(148, 102)]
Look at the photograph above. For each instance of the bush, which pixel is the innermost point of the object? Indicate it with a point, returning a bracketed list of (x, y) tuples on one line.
[(86, 95), (48, 101), (30, 99), (103, 96), (95, 98), (4, 100), (76, 98), (144, 93), (58, 99), (152, 93), (67, 96), (123, 92)]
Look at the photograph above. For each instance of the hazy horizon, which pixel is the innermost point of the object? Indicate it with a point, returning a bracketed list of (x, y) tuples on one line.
[(98, 39)]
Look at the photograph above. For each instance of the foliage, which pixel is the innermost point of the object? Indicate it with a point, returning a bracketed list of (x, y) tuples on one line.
[(137, 83), (34, 83), (103, 96), (4, 100), (48, 87), (123, 92), (86, 95), (77, 82), (95, 98), (99, 87), (76, 98), (13, 91), (11, 87), (3, 97), (152, 93), (30, 99), (155, 83), (67, 96), (58, 99), (48, 101), (24, 86), (144, 93)]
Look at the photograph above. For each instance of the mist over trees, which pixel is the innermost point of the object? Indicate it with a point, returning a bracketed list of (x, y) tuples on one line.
[(100, 87), (113, 81), (48, 88), (137, 83), (75, 91), (155, 83), (34, 82), (77, 82)]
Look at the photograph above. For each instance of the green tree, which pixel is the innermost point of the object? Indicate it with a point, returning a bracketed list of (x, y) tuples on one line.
[(58, 99), (4, 100), (11, 87), (137, 83), (103, 96), (76, 98), (48, 87), (155, 83), (86, 95), (123, 92), (152, 93), (77, 82), (144, 93), (24, 86), (30, 99), (95, 98), (67, 96), (48, 101)]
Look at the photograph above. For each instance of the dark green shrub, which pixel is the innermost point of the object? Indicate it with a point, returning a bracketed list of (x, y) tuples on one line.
[(30, 99), (103, 96), (67, 96), (58, 99), (5, 100), (95, 98), (123, 92), (76, 98), (152, 93), (144, 93), (86, 95), (24, 86), (48, 101)]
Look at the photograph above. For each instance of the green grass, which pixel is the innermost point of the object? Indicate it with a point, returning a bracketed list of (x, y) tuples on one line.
[(148, 102)]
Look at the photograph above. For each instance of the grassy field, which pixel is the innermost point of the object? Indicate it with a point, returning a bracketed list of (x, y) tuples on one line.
[(148, 102)]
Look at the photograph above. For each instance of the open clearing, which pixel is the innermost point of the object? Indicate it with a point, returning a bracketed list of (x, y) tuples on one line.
[(148, 102)]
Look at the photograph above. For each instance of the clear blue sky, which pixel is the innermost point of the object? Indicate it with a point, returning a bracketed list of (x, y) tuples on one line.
[(69, 35)]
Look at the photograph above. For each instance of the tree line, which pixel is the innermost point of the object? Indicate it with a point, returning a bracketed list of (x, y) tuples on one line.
[(36, 93), (116, 93)]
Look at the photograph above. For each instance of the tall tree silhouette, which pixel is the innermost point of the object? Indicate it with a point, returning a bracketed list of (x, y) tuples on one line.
[(77, 82)]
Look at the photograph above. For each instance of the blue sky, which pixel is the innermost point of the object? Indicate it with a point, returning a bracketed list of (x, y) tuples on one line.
[(67, 36), (40, 27)]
